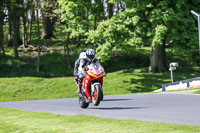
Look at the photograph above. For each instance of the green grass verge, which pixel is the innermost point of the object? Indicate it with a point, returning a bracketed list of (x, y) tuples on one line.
[(197, 92), (127, 81), (13, 121), (33, 88)]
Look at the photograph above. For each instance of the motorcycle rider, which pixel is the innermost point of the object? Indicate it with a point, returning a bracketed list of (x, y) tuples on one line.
[(80, 68)]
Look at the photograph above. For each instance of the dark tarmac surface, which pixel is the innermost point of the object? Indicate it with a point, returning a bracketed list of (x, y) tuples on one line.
[(168, 108)]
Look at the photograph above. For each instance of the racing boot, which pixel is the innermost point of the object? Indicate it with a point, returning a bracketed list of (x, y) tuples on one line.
[(79, 90)]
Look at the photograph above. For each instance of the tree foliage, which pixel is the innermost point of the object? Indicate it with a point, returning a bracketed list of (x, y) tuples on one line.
[(76, 15), (148, 23), (120, 32), (115, 25)]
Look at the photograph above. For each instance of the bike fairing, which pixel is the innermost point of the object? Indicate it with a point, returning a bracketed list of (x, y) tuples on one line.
[(92, 86), (80, 69), (89, 78)]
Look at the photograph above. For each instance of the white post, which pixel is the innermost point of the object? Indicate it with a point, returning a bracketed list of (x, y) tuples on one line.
[(172, 66), (172, 75)]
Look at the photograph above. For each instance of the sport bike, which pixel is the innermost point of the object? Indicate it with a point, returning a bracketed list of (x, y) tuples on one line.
[(91, 90)]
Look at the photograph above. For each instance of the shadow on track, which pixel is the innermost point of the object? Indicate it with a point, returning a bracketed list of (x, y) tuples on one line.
[(118, 108), (116, 99)]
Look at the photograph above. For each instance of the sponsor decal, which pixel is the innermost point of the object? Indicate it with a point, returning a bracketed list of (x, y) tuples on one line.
[(180, 86), (194, 84), (183, 84)]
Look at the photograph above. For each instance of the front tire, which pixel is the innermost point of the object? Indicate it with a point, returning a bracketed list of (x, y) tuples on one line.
[(97, 96), (101, 97)]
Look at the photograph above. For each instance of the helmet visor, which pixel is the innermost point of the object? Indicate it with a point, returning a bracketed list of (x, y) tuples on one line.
[(91, 57)]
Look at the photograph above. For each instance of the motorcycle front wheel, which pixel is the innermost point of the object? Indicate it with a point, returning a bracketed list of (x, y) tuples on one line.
[(101, 98)]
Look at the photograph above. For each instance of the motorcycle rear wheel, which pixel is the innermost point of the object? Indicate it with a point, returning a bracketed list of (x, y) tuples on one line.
[(82, 102)]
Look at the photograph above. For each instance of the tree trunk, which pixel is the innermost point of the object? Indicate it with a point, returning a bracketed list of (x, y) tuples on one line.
[(15, 31), (157, 59), (68, 50), (49, 18), (100, 10), (47, 32), (110, 10), (14, 35), (2, 51), (24, 29), (14, 28), (30, 26), (99, 13), (122, 7), (38, 30)]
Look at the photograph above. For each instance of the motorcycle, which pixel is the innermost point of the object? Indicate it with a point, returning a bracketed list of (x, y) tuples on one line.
[(91, 90)]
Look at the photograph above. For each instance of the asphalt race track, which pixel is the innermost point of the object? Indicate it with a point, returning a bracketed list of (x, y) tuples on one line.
[(168, 108)]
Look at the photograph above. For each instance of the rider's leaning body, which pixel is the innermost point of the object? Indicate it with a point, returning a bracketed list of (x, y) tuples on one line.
[(80, 67)]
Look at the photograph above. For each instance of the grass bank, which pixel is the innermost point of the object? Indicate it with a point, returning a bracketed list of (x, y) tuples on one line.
[(13, 121), (126, 81), (197, 92), (34, 88)]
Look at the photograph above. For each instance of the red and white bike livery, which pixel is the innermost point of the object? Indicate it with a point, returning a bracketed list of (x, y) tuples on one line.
[(91, 90)]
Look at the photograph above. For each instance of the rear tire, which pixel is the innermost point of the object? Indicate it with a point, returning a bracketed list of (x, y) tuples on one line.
[(82, 102)]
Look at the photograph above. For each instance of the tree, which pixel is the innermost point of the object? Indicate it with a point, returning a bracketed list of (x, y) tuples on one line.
[(2, 15), (157, 58), (110, 8), (49, 18), (38, 34), (79, 17), (26, 6), (158, 34), (14, 13), (31, 19), (158, 24), (172, 26), (97, 11), (121, 32)]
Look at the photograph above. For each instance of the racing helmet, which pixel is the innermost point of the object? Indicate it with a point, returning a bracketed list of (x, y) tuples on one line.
[(90, 53), (82, 55)]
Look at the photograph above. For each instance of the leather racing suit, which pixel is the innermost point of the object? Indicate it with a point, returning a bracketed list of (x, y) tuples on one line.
[(80, 70)]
